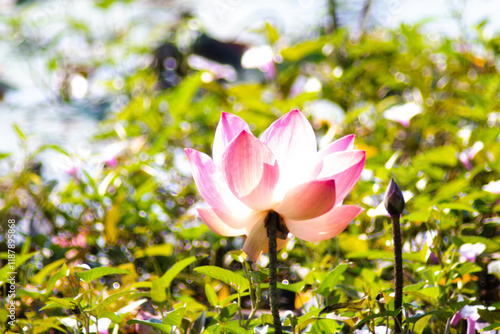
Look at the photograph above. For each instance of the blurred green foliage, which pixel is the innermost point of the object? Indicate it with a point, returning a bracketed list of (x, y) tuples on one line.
[(156, 265)]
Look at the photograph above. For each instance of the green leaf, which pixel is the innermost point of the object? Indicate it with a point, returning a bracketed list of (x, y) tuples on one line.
[(57, 276), (96, 273), (238, 255), (101, 307), (43, 325), (8, 268), (450, 190), (421, 324), (456, 206), (167, 278), (20, 134), (391, 314), (260, 275), (159, 285), (328, 284), (227, 313), (199, 324), (272, 33), (294, 287), (156, 250), (236, 281), (420, 256), (60, 303), (38, 278), (158, 293), (52, 147), (110, 315), (174, 318), (370, 255), (429, 294), (267, 319), (153, 323), (443, 156), (356, 305), (211, 295), (489, 316), (301, 50)]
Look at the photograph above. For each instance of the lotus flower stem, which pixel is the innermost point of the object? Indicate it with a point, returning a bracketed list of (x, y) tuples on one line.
[(398, 271), (272, 221), (394, 203)]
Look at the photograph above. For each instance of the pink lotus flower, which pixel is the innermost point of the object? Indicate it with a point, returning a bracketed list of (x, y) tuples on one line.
[(282, 171)]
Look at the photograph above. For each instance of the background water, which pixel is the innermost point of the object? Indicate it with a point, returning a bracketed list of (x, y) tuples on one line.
[(39, 112)]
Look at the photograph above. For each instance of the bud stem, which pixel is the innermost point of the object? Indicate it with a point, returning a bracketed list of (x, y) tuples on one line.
[(398, 272), (272, 221)]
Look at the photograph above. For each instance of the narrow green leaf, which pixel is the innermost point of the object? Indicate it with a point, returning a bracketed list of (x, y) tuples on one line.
[(60, 303), (57, 276), (328, 284), (236, 281), (375, 316), (162, 327), (159, 285), (272, 33), (238, 255), (294, 287), (96, 273), (43, 325), (52, 147), (421, 324), (370, 255), (227, 313), (97, 310), (167, 278), (158, 293), (199, 324), (174, 318), (110, 315), (21, 135), (211, 295), (429, 294), (301, 50), (156, 250), (38, 278), (8, 268)]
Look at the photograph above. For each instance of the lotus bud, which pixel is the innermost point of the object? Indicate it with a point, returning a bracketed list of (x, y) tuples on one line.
[(393, 200)]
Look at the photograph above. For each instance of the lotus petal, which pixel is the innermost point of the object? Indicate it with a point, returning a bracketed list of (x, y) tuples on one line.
[(326, 226), (251, 171)]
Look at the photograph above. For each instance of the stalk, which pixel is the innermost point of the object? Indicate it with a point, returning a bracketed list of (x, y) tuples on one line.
[(394, 203), (272, 222), (398, 272)]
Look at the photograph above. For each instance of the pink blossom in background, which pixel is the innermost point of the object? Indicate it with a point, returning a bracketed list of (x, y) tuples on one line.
[(145, 329), (69, 165), (282, 171), (492, 187), (220, 71), (470, 314), (403, 113), (261, 57), (469, 154), (109, 154), (469, 252)]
